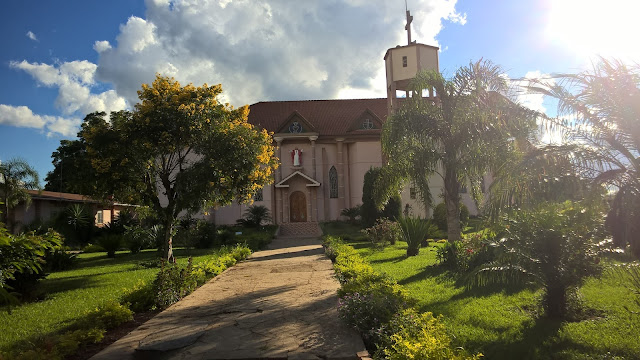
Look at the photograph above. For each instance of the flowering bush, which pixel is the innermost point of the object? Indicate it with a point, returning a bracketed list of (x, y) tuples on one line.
[(383, 233), (420, 337)]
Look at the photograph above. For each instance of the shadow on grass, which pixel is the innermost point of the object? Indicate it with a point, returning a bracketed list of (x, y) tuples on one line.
[(432, 271), (533, 343)]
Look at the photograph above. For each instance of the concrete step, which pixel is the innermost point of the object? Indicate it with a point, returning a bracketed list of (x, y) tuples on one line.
[(299, 229)]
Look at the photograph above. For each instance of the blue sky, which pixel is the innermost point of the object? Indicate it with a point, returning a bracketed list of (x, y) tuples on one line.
[(63, 59)]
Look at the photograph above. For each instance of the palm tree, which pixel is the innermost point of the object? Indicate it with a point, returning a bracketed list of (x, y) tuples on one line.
[(16, 176), (459, 135), (599, 119)]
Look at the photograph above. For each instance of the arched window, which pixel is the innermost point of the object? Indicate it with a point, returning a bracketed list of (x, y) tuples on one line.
[(333, 182)]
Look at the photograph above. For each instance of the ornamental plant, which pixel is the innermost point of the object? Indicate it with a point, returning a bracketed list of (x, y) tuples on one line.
[(383, 233)]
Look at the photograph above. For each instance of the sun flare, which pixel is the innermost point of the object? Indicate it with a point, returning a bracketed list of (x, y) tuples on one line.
[(591, 27)]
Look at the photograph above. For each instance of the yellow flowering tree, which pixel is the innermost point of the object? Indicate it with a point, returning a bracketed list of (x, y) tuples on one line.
[(182, 150)]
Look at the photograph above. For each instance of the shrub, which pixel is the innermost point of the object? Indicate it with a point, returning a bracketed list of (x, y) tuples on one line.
[(204, 234), (414, 231), (352, 213), (93, 248), (384, 232), (107, 316), (111, 242), (255, 215), (22, 260), (140, 298), (60, 259), (412, 335), (440, 215), (137, 238), (368, 211), (553, 245), (173, 282)]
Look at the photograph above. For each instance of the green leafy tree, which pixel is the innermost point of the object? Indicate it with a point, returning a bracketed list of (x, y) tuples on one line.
[(72, 171), (16, 177), (185, 151), (369, 212), (599, 120), (460, 135)]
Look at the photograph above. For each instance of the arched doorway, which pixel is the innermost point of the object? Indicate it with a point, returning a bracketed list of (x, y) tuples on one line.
[(298, 207)]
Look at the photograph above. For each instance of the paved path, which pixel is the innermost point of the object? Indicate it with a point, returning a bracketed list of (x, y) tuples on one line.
[(279, 304)]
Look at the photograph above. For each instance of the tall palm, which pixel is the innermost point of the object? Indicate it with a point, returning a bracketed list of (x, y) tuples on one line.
[(459, 135), (16, 177), (599, 119)]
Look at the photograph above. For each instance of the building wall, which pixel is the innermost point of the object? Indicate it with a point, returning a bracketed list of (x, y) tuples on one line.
[(362, 156)]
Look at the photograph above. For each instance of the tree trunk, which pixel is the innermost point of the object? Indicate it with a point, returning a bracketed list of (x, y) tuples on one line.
[(168, 239), (555, 301), (452, 202)]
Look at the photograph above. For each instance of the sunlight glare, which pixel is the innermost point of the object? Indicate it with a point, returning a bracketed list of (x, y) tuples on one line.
[(590, 27)]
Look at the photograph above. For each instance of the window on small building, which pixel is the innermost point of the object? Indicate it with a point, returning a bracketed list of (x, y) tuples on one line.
[(412, 193), (367, 124), (258, 196), (99, 217), (463, 190), (333, 183), (404, 61)]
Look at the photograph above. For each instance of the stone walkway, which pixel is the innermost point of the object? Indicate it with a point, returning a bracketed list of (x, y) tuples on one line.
[(279, 304)]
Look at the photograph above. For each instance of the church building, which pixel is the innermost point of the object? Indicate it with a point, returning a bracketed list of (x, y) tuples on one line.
[(325, 147)]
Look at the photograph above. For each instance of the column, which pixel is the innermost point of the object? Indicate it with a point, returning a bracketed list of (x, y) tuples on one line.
[(279, 204), (309, 207), (279, 155), (340, 142), (313, 155), (285, 207)]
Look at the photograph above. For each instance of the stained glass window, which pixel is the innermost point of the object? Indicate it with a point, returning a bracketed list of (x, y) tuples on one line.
[(333, 182), (295, 127)]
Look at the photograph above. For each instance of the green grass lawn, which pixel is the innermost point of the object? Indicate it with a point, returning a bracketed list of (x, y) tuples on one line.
[(70, 294), (503, 324)]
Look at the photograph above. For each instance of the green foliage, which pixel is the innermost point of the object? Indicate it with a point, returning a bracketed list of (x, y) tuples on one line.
[(352, 213), (369, 211), (461, 135), (421, 337), (440, 215), (93, 248), (181, 143), (141, 297), (475, 249), (17, 177), (107, 316), (554, 246), (175, 281), (414, 232), (22, 259), (60, 259), (111, 243), (383, 233), (255, 215), (138, 238), (72, 171), (90, 329)]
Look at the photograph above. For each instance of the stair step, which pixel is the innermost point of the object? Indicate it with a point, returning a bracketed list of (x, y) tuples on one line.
[(301, 229)]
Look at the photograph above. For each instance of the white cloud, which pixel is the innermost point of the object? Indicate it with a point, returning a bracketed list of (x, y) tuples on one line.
[(271, 50), (100, 46), (31, 36), (22, 116), (74, 80)]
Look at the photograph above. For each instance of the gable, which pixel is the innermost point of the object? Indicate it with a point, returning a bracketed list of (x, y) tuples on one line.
[(367, 120), (296, 124)]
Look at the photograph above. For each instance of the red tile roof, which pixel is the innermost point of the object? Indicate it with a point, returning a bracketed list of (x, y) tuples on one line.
[(53, 195), (328, 117)]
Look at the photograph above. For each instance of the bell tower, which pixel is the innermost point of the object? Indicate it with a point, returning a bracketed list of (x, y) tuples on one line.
[(402, 63)]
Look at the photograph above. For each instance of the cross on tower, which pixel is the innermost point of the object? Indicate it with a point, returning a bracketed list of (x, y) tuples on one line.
[(408, 26)]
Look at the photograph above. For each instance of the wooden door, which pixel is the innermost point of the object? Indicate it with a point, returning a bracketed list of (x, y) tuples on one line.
[(298, 208)]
